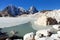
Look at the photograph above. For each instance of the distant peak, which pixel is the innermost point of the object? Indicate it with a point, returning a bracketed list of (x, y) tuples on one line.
[(32, 10), (32, 7)]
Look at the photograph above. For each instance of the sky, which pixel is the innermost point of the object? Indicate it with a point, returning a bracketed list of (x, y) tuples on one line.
[(39, 4)]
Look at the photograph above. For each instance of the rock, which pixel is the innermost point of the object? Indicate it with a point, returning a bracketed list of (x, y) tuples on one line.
[(51, 21), (29, 36)]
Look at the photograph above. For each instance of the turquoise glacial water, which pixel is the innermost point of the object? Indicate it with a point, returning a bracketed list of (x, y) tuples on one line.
[(21, 29)]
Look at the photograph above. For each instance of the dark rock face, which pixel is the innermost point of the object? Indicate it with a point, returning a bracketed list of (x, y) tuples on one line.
[(15, 37), (4, 14), (59, 22), (0, 15), (22, 11), (51, 21), (13, 11), (3, 35), (43, 11)]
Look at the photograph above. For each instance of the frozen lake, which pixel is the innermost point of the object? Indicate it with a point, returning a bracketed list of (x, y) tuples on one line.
[(24, 28)]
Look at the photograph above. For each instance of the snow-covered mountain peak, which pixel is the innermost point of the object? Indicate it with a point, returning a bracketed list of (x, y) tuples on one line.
[(22, 9), (32, 10)]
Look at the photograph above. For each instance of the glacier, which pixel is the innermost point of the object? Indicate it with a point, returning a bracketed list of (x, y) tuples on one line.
[(37, 19)]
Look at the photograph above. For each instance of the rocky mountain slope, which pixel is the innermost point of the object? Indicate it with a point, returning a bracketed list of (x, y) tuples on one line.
[(13, 11)]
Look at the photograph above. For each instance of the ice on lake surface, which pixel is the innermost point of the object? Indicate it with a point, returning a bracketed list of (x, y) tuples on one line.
[(24, 28), (21, 24)]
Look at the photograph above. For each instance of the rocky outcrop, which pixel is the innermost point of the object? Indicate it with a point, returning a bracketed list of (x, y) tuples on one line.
[(43, 11), (51, 21)]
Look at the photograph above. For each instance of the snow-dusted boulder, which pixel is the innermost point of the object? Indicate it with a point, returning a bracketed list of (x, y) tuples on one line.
[(43, 38), (49, 38), (17, 39), (7, 39), (43, 33), (38, 35), (29, 36), (55, 36), (58, 32), (57, 27), (46, 38)]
